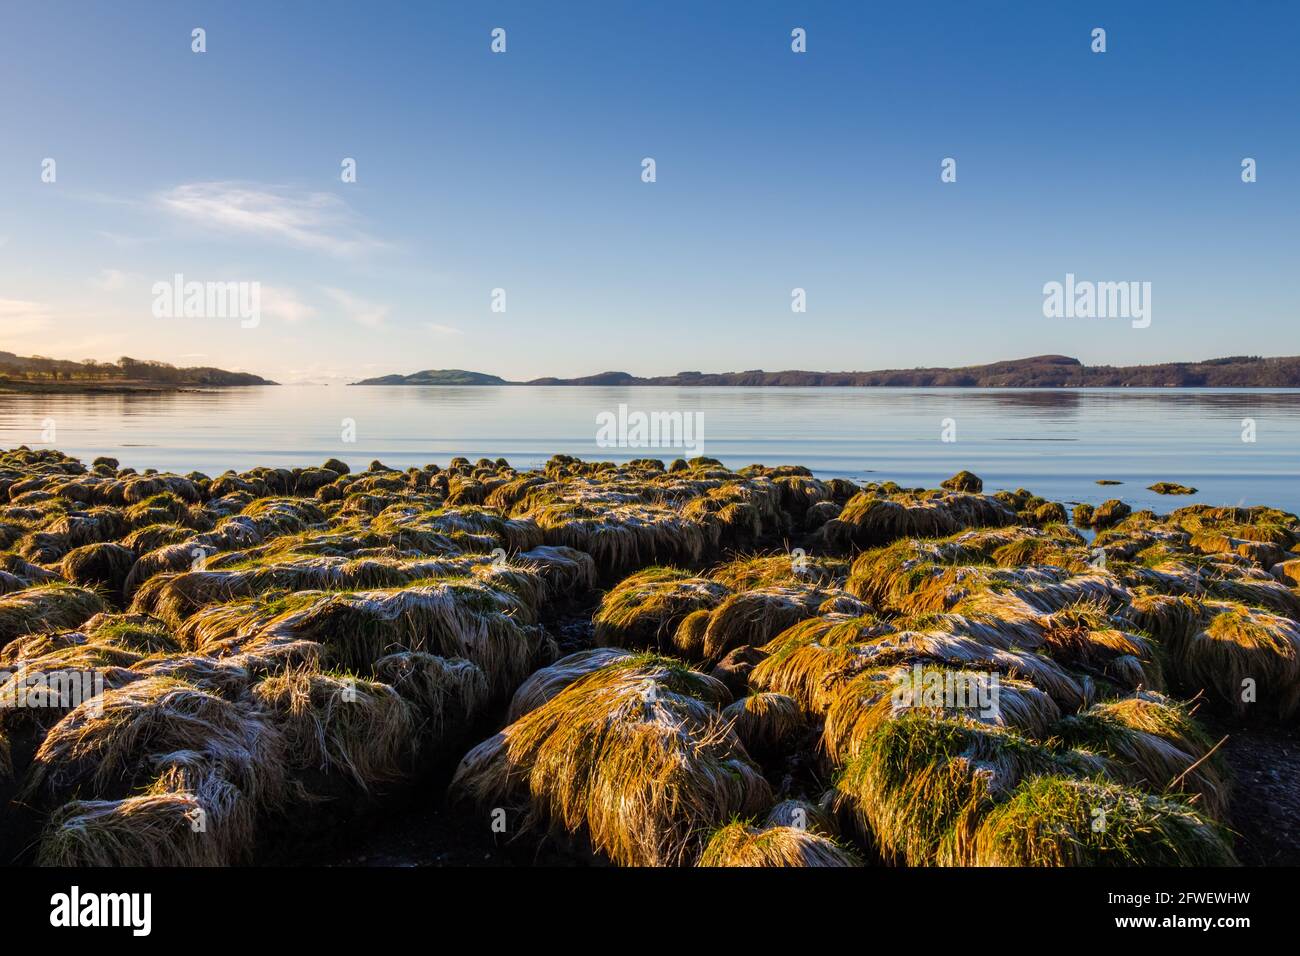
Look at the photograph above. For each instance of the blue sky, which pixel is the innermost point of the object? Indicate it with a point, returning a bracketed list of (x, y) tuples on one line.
[(522, 171)]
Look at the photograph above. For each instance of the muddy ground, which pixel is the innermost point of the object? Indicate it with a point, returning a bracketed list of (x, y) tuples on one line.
[(1265, 766)]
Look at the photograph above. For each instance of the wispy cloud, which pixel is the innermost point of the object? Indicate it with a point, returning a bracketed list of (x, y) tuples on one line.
[(437, 329), (307, 220), (113, 280), (284, 304), (125, 241), (21, 318), (358, 310)]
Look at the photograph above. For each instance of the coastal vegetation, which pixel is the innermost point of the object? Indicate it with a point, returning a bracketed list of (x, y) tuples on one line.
[(1041, 371), (46, 375), (632, 663), (37, 373)]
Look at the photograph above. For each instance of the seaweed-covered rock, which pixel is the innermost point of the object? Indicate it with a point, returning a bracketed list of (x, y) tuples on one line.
[(963, 481)]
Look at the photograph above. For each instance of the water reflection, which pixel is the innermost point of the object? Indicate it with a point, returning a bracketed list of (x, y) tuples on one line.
[(1056, 441)]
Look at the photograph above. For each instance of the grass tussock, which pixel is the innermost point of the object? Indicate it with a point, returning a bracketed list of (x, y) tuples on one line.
[(1155, 744), (644, 610), (635, 755), (445, 695), (339, 723), (459, 618), (1247, 658), (917, 788), (546, 682), (973, 675), (765, 722), (743, 845), (1055, 821), (802, 815), (103, 565), (108, 746), (46, 607), (870, 521), (752, 618), (150, 830)]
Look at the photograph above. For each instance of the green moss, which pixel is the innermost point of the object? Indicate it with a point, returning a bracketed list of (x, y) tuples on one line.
[(1055, 821)]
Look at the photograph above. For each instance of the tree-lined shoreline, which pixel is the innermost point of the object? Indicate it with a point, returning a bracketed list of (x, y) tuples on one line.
[(41, 375), (37, 374), (1042, 371)]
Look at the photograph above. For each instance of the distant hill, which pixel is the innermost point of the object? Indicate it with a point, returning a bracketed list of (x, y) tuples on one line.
[(1040, 371), (438, 376), (36, 373)]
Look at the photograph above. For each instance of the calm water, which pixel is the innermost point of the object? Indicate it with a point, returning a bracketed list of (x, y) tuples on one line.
[(1055, 442)]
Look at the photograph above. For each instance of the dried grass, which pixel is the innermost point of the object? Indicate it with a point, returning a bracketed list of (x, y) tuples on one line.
[(635, 755), (743, 845)]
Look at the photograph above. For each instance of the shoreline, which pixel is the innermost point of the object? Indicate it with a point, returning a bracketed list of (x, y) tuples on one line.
[(835, 386), (1042, 371), (19, 387)]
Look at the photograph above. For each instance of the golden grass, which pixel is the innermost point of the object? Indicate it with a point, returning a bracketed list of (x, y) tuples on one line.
[(1247, 658), (338, 723), (295, 634), (108, 746), (625, 536), (765, 722), (461, 618), (1083, 638), (152, 830), (870, 521), (635, 755), (802, 815), (445, 695), (1152, 743), (645, 608), (545, 683), (863, 705), (103, 565), (755, 617), (1054, 821), (810, 660), (759, 571), (46, 607), (742, 845), (919, 786)]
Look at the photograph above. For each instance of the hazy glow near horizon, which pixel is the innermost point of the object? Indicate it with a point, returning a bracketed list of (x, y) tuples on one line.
[(522, 171)]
